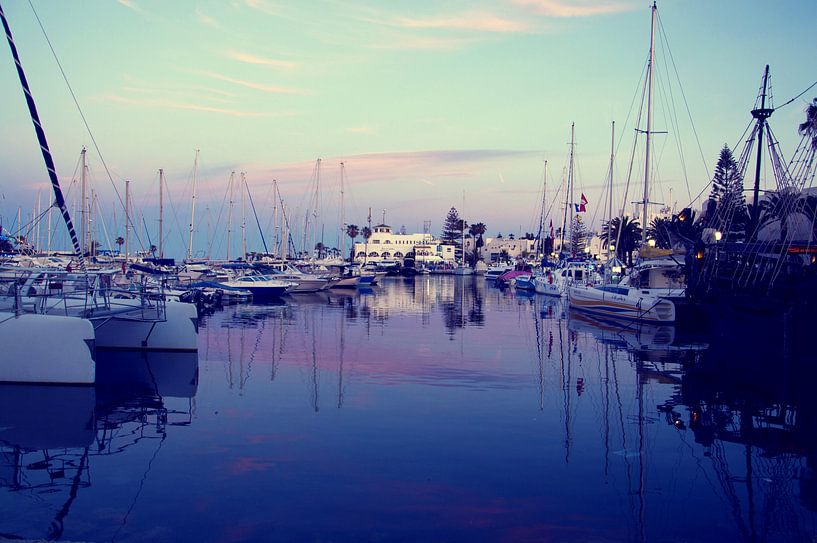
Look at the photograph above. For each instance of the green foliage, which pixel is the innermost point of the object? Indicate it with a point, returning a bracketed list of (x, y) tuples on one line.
[(729, 214), (451, 227), (808, 128), (627, 241)]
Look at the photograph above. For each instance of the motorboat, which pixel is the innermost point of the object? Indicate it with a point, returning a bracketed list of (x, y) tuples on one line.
[(262, 287)]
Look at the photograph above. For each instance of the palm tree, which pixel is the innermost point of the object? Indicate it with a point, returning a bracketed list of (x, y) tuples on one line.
[(366, 233), (353, 232), (476, 230), (120, 241), (659, 230), (809, 126), (625, 233), (320, 248)]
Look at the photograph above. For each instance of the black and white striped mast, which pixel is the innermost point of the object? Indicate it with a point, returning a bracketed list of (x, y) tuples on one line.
[(46, 151)]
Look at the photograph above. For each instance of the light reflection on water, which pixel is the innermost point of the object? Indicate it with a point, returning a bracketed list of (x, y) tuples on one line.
[(436, 408)]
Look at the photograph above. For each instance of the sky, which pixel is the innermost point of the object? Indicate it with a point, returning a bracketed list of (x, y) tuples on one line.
[(429, 105)]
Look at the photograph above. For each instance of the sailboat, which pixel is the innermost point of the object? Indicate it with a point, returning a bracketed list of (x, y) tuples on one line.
[(627, 300), (120, 319)]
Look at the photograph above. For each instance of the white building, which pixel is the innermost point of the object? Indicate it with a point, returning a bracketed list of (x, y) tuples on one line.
[(385, 245), (494, 248)]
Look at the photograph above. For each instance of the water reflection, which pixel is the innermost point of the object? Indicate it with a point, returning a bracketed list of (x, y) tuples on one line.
[(52, 437), (436, 408)]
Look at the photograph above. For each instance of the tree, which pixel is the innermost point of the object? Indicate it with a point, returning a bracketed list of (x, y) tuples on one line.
[(120, 241), (660, 230), (320, 249), (353, 232), (476, 230), (625, 243), (578, 236), (730, 213), (366, 233), (451, 227), (809, 126), (780, 206)]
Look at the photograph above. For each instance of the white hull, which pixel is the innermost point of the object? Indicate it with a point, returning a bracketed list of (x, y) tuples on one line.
[(177, 332), (463, 270), (621, 303), (46, 349)]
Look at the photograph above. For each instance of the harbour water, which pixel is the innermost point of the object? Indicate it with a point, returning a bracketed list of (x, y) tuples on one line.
[(436, 408)]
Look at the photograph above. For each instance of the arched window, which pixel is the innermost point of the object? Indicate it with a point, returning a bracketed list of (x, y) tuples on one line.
[(385, 254), (398, 254), (373, 254), (361, 253)]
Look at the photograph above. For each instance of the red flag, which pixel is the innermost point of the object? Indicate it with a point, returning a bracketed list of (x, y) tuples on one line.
[(582, 207)]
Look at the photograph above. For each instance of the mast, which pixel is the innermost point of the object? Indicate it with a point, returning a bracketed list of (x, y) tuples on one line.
[(243, 219), (569, 191), (230, 215), (127, 219), (610, 195), (49, 230), (82, 218), (46, 151), (193, 208), (650, 75), (342, 217), (161, 213), (276, 232), (541, 215), (761, 115), (37, 237)]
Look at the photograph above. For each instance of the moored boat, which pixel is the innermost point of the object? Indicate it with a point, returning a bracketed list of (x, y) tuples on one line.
[(621, 303)]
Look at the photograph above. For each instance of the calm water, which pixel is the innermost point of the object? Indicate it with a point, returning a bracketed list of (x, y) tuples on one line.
[(435, 409)]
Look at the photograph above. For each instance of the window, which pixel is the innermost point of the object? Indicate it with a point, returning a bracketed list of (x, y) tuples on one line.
[(385, 254), (361, 253), (373, 254), (376, 241), (398, 254)]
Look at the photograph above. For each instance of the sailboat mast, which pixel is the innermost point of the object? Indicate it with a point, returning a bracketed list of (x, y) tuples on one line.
[(761, 115), (127, 219), (342, 216), (569, 191), (610, 193), (650, 76), (193, 208), (541, 215), (243, 219), (161, 213), (82, 218), (230, 215), (276, 231)]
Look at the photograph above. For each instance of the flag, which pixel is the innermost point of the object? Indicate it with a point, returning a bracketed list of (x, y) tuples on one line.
[(582, 207), (551, 230)]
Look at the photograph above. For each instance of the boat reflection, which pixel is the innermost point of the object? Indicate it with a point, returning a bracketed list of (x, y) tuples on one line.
[(51, 436)]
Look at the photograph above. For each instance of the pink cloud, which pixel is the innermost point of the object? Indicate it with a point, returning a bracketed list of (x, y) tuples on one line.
[(261, 61), (573, 8), (273, 89), (475, 21)]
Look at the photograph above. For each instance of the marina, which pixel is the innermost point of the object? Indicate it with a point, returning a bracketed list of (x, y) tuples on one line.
[(435, 407), (271, 347)]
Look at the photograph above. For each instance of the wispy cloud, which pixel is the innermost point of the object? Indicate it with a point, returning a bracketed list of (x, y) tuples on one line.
[(420, 43), (260, 61), (473, 21), (206, 19), (263, 6), (574, 8), (172, 104), (263, 87), (130, 4), (361, 130)]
